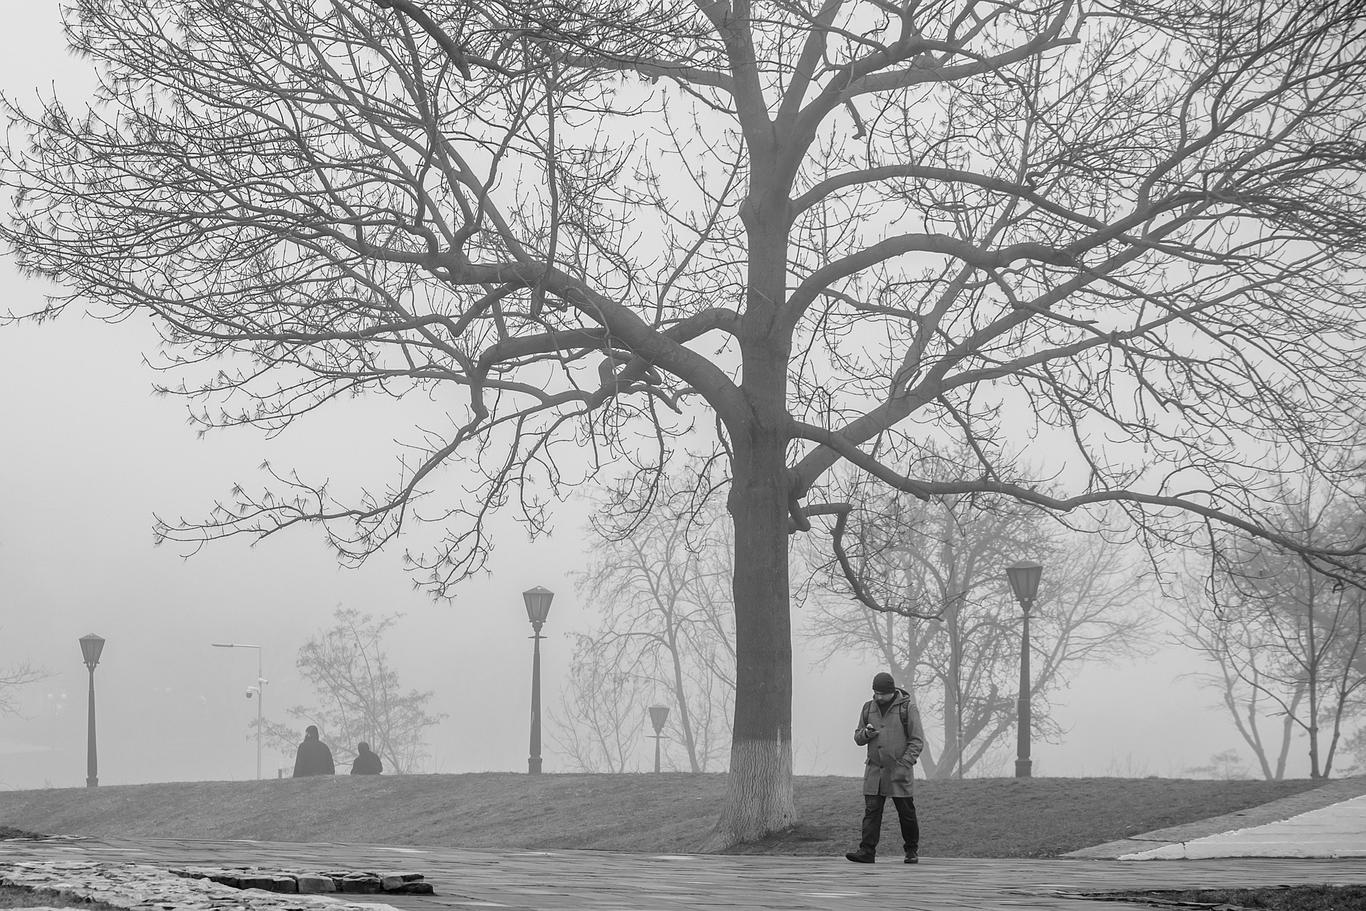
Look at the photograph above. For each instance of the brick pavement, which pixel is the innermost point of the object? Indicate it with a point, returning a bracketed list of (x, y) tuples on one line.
[(582, 880)]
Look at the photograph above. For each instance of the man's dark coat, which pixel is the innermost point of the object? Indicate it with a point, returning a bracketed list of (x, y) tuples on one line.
[(367, 763), (893, 749), (313, 758)]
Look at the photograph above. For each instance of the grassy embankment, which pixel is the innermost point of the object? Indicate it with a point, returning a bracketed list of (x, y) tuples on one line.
[(669, 813)]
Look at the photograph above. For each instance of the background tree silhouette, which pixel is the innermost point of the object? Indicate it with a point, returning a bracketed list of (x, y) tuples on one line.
[(357, 697), (662, 595), (11, 679), (952, 637), (1287, 643)]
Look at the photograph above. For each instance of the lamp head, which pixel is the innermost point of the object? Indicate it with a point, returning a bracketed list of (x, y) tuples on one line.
[(1024, 581), (537, 605), (91, 646)]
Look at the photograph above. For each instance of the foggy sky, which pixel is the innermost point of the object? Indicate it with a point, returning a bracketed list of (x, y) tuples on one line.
[(88, 455)]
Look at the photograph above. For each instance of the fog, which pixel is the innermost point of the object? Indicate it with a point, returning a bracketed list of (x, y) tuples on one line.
[(89, 455)]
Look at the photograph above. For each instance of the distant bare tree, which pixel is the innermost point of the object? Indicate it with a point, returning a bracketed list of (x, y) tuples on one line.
[(1286, 640), (1231, 644), (358, 695), (1355, 746), (12, 678), (956, 642), (662, 589), (1226, 765), (602, 716)]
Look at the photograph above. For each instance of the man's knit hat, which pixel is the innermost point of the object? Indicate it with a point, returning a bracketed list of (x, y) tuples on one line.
[(883, 683)]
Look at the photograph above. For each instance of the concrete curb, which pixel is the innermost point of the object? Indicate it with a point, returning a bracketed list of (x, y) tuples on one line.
[(1331, 792)]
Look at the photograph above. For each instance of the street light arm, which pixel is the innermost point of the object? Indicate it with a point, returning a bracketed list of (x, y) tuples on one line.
[(259, 688)]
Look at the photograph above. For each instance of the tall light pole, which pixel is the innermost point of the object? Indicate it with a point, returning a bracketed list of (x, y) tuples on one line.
[(259, 690), (537, 609), (1024, 582), (91, 646), (658, 715)]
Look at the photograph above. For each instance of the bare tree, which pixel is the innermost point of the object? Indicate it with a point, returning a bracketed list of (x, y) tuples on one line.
[(957, 647), (1285, 640), (1232, 645), (11, 679), (830, 230), (1226, 765), (602, 714), (358, 695), (1355, 747), (662, 590)]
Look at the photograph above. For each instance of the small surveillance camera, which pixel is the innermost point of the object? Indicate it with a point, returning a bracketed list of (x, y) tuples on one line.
[(250, 694)]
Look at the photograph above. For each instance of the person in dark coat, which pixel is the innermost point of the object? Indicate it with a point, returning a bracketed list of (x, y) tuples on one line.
[(890, 727), (367, 763), (313, 758)]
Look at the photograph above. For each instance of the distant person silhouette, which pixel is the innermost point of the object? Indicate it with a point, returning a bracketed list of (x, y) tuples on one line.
[(367, 763), (313, 758)]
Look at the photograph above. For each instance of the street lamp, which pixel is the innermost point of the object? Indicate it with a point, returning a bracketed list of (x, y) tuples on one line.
[(658, 715), (259, 690), (1024, 582), (537, 609), (91, 646)]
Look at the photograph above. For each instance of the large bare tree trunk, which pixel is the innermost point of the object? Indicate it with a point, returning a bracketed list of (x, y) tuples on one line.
[(759, 791), (759, 795)]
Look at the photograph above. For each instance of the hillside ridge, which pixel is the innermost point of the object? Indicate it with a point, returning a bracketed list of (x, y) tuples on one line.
[(667, 813)]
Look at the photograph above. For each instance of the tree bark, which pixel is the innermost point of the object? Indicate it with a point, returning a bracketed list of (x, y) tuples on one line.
[(759, 797), (1313, 660), (953, 697)]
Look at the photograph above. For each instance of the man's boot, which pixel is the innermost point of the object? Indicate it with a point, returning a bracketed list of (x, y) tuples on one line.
[(912, 856), (861, 856)]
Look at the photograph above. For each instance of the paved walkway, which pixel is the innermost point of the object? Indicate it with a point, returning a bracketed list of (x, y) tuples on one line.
[(581, 880), (1327, 822), (1335, 831)]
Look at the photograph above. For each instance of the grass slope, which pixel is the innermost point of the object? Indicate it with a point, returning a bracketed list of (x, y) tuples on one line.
[(990, 817)]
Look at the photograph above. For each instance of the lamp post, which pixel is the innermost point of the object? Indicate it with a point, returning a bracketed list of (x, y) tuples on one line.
[(259, 690), (1024, 582), (658, 715), (537, 609), (91, 646)]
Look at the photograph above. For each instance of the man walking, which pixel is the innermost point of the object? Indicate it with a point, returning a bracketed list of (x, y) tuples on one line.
[(889, 726)]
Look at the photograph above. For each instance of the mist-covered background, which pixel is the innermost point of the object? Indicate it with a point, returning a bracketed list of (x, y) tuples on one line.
[(88, 455)]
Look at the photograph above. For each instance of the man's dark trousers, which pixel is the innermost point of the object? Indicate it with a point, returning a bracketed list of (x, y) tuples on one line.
[(872, 822)]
